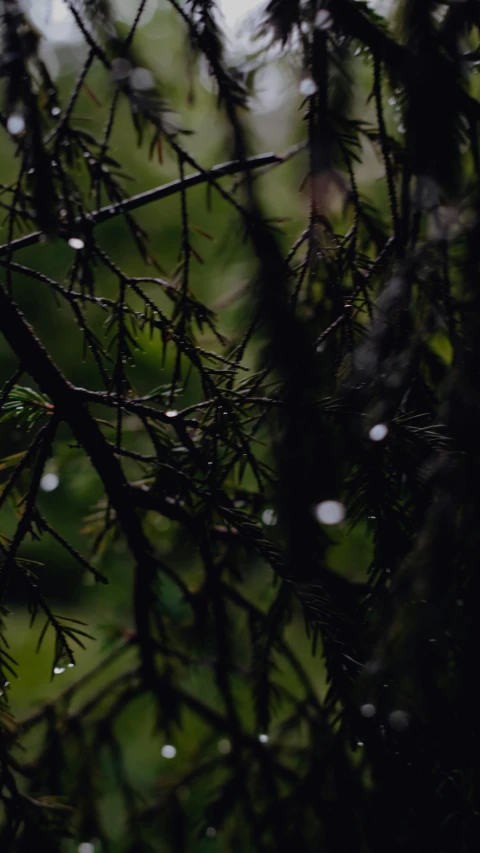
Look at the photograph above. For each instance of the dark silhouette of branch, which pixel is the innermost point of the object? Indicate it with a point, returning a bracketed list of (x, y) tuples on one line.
[(70, 408), (138, 201), (310, 466)]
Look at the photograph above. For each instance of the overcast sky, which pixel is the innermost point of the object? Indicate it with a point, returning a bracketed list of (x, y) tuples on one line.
[(54, 19)]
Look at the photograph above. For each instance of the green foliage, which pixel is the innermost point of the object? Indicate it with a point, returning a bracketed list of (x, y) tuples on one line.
[(28, 407), (241, 453)]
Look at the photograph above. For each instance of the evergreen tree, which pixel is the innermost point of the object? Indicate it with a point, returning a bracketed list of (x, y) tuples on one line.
[(345, 406)]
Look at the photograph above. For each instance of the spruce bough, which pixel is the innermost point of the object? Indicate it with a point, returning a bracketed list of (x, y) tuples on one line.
[(343, 408)]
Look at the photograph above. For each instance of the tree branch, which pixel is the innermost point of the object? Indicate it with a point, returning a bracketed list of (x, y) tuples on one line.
[(104, 214), (70, 407)]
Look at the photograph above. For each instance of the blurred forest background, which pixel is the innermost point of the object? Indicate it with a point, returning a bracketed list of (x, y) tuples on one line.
[(222, 267), (70, 488)]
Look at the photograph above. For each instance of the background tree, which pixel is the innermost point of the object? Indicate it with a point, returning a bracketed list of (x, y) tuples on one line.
[(276, 514)]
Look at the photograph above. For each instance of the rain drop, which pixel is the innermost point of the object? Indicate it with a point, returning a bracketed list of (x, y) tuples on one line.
[(76, 243), (269, 517), (263, 738), (224, 746), (142, 79), (49, 482), (169, 751), (307, 87), (330, 512), (15, 124), (55, 111), (323, 20), (86, 847), (211, 832), (378, 432), (172, 413), (399, 720), (368, 710), (57, 670)]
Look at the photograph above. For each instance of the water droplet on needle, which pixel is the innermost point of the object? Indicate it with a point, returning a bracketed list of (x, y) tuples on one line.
[(49, 482), (330, 512), (307, 87), (15, 124), (76, 243), (378, 432)]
